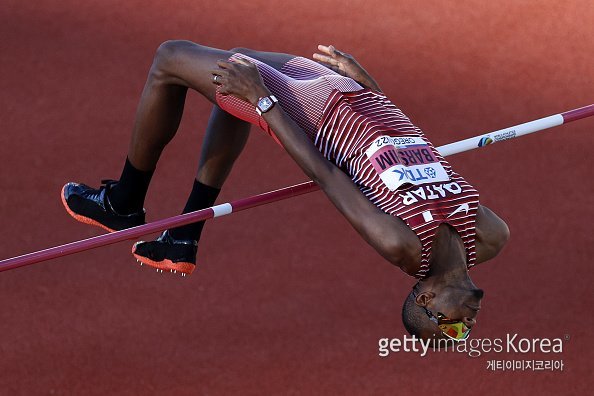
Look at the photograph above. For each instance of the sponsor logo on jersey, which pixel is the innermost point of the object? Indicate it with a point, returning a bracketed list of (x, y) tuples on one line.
[(430, 172), (464, 207)]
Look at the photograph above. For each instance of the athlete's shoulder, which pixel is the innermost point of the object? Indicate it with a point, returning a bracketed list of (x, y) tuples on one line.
[(492, 233)]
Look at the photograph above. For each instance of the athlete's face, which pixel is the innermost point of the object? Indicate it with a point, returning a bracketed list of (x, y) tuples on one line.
[(457, 304)]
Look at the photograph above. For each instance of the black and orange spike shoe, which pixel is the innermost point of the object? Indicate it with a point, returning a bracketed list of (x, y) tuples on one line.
[(92, 206), (167, 254)]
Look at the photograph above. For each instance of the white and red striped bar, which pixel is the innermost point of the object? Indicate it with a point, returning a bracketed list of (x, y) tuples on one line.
[(159, 225), (276, 195), (517, 130)]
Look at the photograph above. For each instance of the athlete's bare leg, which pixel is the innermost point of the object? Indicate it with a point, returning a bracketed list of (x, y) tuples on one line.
[(223, 141), (177, 66)]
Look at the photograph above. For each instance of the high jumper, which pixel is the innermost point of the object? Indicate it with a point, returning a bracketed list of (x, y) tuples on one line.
[(375, 166)]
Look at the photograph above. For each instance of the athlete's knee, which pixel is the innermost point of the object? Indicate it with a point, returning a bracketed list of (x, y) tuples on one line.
[(168, 55)]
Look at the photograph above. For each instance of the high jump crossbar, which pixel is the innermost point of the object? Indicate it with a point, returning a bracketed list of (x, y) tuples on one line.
[(277, 195)]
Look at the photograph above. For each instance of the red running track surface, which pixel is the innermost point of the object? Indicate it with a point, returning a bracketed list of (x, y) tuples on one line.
[(288, 299)]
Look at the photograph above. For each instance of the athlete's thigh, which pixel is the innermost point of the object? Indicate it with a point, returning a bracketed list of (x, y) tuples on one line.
[(190, 64), (273, 59)]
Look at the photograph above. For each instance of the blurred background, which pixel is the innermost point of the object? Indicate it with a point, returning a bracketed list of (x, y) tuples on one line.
[(288, 299)]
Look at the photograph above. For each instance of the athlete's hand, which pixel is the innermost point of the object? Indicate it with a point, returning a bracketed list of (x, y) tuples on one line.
[(344, 64), (240, 78)]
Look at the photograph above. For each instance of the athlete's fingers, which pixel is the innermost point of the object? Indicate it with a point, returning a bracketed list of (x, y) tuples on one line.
[(323, 48), (244, 62), (219, 72), (224, 64), (223, 89), (218, 75), (332, 51), (329, 50), (326, 51), (227, 69), (337, 53), (227, 87), (323, 58), (342, 57), (238, 77), (326, 59), (332, 56)]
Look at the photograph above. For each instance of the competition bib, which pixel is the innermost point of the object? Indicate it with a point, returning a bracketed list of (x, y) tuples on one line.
[(405, 159)]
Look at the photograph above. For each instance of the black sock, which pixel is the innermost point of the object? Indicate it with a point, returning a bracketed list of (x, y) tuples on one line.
[(127, 196), (202, 196)]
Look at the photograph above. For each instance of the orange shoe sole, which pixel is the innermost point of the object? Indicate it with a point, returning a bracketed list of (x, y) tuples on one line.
[(166, 265), (81, 218)]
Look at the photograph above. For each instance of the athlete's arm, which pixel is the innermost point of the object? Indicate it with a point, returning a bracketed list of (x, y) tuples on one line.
[(491, 234), (387, 234), (346, 65)]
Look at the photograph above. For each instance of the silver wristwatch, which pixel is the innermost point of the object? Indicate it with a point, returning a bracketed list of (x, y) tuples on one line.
[(266, 103)]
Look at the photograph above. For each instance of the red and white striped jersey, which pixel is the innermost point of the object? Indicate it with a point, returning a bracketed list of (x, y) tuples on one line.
[(397, 168), (371, 140)]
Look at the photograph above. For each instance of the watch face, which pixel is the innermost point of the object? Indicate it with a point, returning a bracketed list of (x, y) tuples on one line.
[(265, 103)]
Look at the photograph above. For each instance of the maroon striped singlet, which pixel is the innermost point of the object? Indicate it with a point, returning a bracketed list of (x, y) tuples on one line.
[(372, 141)]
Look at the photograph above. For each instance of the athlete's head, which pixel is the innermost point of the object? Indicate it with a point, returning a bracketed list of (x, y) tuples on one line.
[(428, 312)]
